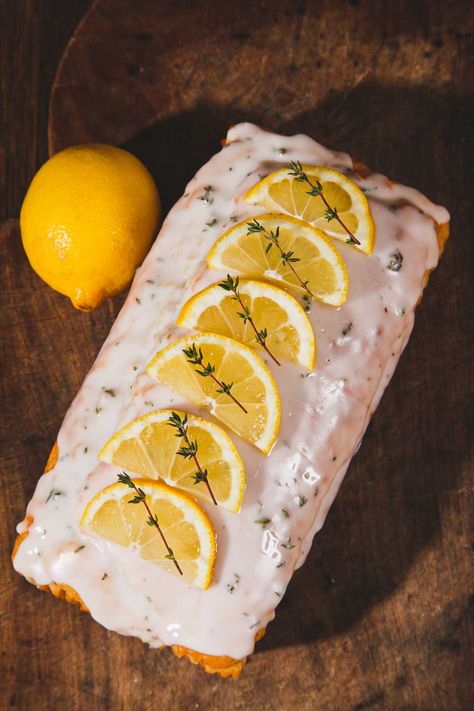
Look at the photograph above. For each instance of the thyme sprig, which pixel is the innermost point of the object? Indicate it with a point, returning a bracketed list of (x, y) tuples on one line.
[(195, 357), (190, 450), (140, 498), (316, 190), (261, 335), (273, 239)]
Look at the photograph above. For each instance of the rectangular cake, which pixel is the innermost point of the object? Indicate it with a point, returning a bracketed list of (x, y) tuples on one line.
[(324, 413)]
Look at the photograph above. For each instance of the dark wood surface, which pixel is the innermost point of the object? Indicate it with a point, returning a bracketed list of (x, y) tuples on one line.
[(391, 83)]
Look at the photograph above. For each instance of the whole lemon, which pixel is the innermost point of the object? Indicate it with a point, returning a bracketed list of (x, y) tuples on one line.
[(87, 221)]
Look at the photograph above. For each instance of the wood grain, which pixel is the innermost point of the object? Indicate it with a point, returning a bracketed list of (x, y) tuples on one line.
[(33, 36), (390, 83)]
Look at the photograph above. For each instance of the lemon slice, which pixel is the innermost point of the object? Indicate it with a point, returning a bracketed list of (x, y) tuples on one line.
[(281, 191), (289, 332), (236, 365), (315, 260), (184, 524), (149, 446)]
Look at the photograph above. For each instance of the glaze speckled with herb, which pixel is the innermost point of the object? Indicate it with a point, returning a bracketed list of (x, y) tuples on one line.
[(324, 413)]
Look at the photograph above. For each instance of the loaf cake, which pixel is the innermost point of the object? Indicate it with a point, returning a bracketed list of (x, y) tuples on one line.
[(324, 410)]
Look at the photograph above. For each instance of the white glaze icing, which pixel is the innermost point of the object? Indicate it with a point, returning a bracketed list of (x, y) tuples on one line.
[(324, 413)]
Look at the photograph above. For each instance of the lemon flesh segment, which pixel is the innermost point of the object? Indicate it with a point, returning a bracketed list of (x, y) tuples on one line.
[(280, 191), (185, 526), (290, 335), (319, 263), (148, 447), (236, 364)]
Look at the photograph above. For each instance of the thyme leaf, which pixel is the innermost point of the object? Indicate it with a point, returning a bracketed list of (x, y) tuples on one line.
[(206, 196), (396, 261), (263, 522)]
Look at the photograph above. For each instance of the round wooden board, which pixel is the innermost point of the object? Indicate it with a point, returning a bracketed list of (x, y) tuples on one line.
[(166, 79)]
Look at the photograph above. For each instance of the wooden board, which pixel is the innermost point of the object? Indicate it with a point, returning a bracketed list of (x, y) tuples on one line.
[(391, 85)]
